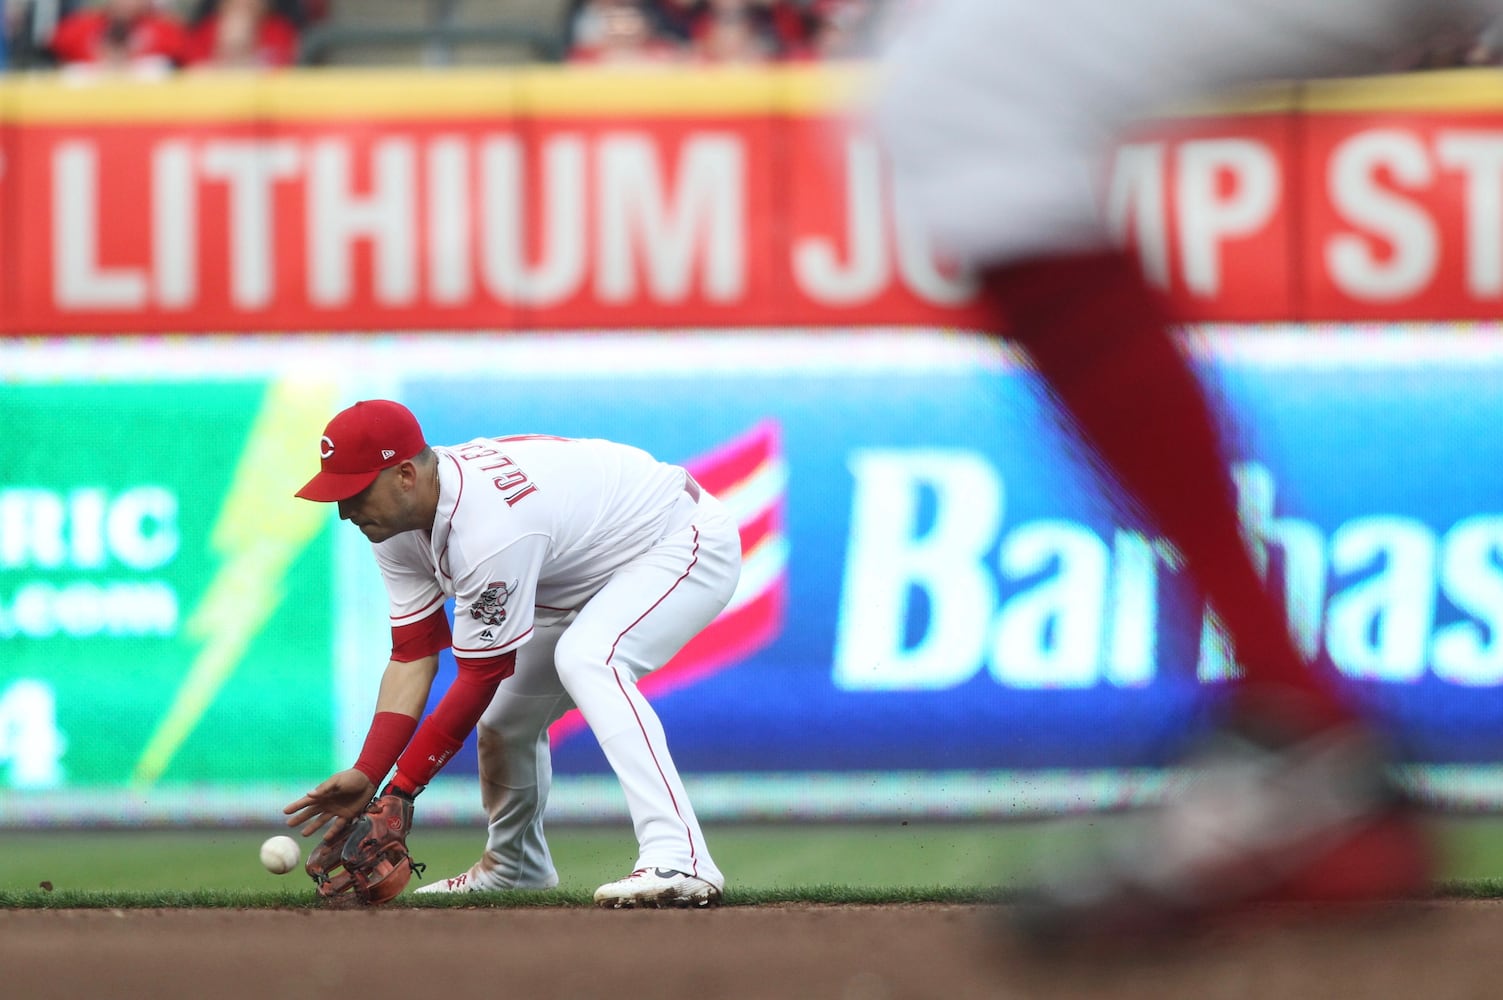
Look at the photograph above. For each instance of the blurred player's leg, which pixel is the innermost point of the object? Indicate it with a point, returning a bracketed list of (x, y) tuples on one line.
[(516, 773), (997, 115), (1101, 341), (1291, 801)]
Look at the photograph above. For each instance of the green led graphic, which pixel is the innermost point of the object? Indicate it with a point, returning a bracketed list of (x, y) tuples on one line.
[(164, 600)]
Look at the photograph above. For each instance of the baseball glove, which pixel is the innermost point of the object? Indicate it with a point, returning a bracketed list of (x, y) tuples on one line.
[(369, 862)]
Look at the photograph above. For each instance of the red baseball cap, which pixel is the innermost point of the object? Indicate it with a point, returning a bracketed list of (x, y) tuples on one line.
[(359, 442)]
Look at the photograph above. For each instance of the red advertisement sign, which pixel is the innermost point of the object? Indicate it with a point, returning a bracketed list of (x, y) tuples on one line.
[(549, 200)]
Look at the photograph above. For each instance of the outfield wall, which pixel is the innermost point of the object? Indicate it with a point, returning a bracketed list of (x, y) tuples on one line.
[(942, 615)]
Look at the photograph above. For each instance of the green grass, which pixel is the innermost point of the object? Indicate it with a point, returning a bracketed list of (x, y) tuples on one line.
[(871, 863), (867, 857), (35, 899)]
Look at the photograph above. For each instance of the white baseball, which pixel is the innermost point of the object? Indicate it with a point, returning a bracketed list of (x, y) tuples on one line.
[(280, 854)]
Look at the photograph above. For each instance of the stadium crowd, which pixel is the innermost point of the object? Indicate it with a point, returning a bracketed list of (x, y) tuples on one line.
[(155, 37), (717, 31)]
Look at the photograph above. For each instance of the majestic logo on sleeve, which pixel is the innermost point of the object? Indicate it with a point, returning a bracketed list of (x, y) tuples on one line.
[(490, 606)]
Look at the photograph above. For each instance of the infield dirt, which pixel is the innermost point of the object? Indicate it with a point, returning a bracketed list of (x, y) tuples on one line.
[(1436, 950)]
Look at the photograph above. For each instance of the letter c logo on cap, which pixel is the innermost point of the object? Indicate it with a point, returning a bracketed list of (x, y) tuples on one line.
[(325, 447)]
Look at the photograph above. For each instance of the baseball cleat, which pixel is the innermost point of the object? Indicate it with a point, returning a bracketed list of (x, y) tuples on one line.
[(656, 888), (477, 880), (1313, 821)]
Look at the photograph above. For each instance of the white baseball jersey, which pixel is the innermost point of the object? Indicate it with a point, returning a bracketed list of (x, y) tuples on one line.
[(528, 529), (611, 561)]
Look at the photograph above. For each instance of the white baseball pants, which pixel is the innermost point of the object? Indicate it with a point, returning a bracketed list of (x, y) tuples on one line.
[(997, 114), (634, 625)]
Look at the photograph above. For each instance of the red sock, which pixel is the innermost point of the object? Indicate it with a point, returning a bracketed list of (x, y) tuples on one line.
[(1100, 338)]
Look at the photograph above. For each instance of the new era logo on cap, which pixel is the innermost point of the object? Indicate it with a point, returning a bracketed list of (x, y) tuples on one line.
[(360, 442)]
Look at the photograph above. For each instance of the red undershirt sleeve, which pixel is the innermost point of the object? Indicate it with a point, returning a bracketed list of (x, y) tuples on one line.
[(390, 732), (418, 639), (444, 731)]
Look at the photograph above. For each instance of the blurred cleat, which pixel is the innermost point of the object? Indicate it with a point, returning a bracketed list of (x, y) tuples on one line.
[(1314, 821)]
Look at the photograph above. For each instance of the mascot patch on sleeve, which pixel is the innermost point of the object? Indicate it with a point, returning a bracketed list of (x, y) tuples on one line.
[(490, 606)]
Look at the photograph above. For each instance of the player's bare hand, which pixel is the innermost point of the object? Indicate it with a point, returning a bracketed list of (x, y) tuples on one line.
[(337, 799)]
